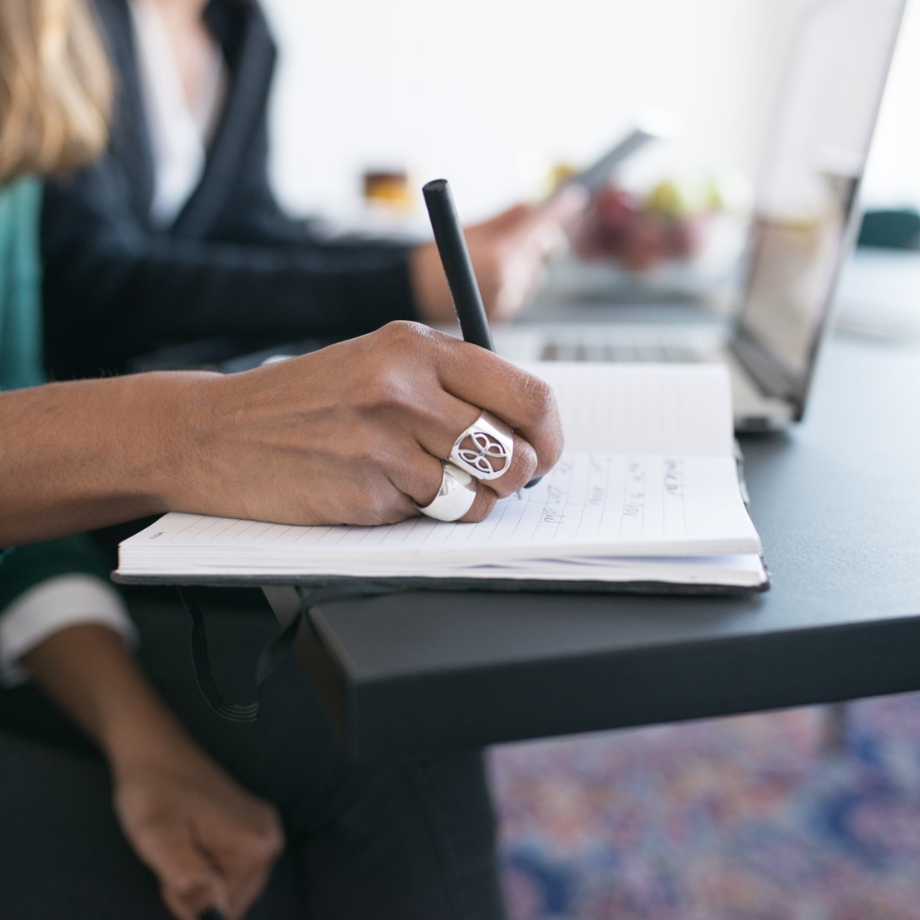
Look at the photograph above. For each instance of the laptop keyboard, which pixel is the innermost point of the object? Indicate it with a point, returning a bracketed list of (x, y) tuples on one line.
[(607, 352)]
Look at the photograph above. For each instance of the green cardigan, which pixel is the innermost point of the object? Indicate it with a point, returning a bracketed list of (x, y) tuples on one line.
[(20, 286), (21, 366)]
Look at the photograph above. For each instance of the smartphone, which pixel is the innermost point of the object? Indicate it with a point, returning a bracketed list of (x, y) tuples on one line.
[(654, 126)]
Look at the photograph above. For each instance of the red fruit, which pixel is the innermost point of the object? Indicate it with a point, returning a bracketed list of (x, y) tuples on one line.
[(646, 244), (685, 237), (608, 224)]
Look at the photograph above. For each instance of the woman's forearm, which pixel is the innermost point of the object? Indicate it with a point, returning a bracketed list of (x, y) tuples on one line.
[(84, 454), (90, 674)]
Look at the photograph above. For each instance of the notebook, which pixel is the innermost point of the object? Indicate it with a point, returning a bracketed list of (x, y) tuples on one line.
[(804, 224), (645, 497)]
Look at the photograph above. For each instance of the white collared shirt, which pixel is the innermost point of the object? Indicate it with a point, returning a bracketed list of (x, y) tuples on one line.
[(179, 132)]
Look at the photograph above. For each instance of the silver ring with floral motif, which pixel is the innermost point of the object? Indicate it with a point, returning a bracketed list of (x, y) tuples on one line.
[(484, 450)]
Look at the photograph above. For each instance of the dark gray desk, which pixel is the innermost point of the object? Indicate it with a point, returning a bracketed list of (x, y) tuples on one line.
[(837, 503)]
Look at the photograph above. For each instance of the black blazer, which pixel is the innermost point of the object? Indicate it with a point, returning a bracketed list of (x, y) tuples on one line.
[(231, 267)]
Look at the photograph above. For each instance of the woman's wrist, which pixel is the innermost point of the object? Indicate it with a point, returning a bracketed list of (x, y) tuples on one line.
[(88, 671), (154, 740), (169, 454)]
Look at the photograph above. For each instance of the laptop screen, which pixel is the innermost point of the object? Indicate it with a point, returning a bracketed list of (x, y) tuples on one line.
[(815, 157)]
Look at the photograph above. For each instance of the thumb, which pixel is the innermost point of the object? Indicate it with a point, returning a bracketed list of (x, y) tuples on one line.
[(544, 224), (189, 882)]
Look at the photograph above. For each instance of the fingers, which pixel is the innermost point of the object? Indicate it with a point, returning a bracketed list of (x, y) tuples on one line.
[(190, 884), (248, 865), (488, 493), (510, 252), (421, 481), (508, 221), (520, 399), (483, 505), (520, 470), (249, 891), (483, 499), (469, 381), (543, 227), (202, 871), (441, 423), (561, 209), (439, 429), (507, 251)]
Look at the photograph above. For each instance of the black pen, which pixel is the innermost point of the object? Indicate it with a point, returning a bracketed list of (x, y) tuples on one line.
[(458, 268)]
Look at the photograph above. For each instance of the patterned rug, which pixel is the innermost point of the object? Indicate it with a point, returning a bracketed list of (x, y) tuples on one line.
[(791, 815)]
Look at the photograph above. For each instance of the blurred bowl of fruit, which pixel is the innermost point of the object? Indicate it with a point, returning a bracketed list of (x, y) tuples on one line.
[(699, 220)]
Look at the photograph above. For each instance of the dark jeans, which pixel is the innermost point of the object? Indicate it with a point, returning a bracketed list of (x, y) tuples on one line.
[(395, 841)]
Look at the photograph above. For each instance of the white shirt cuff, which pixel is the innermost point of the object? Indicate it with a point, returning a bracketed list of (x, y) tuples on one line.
[(51, 606)]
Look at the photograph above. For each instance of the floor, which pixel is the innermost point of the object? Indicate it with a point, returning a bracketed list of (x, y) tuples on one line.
[(792, 815)]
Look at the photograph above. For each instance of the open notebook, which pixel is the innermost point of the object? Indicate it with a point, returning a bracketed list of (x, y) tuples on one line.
[(645, 497)]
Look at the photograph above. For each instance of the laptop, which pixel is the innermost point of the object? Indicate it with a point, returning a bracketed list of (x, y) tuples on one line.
[(804, 223)]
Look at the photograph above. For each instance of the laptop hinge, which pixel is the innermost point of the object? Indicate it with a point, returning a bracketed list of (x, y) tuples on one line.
[(765, 370)]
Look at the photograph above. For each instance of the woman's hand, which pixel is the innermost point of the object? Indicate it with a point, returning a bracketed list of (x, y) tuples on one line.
[(351, 434), (210, 843), (355, 433), (508, 253)]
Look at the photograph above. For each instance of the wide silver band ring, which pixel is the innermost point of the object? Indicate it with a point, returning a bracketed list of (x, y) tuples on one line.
[(484, 450), (455, 497)]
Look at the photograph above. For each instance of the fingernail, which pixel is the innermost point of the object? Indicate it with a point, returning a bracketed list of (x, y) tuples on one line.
[(212, 913)]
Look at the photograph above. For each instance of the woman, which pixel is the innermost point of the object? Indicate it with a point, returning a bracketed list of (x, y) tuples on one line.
[(352, 433), (174, 235)]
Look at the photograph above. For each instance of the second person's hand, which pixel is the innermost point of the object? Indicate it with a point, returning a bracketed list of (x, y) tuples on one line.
[(210, 843), (509, 253)]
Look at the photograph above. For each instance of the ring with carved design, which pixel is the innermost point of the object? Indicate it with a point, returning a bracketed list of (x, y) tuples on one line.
[(484, 449)]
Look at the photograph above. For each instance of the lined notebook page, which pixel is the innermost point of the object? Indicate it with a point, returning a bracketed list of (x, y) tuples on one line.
[(647, 408), (589, 505)]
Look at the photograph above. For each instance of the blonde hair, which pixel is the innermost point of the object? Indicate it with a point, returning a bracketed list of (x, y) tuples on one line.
[(55, 87)]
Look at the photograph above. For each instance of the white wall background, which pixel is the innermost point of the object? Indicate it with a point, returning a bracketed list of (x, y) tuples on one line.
[(487, 91), (893, 172)]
